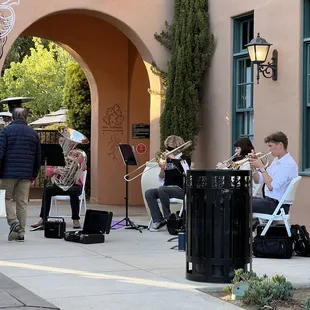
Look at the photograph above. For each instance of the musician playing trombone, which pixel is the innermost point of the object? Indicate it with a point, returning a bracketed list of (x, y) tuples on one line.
[(276, 177), (172, 175)]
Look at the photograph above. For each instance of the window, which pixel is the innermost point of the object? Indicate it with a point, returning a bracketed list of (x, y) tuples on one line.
[(242, 97), (306, 89)]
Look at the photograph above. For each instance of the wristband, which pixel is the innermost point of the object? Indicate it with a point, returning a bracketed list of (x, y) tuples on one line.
[(262, 170)]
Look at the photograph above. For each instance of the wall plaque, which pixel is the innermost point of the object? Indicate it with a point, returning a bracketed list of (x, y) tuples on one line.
[(140, 131)]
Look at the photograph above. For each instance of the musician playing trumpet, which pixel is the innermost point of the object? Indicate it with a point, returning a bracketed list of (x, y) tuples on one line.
[(172, 175), (243, 146), (276, 177)]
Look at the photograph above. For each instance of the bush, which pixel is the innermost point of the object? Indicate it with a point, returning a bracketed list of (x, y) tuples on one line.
[(262, 291), (241, 276), (307, 304)]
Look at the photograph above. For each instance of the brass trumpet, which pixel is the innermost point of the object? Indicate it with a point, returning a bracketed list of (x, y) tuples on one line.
[(160, 158), (237, 164), (227, 162)]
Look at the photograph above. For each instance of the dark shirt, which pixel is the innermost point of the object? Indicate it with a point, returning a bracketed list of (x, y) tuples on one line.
[(174, 171)]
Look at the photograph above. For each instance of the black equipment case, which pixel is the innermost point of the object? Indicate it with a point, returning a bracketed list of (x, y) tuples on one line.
[(55, 228), (275, 244), (96, 225)]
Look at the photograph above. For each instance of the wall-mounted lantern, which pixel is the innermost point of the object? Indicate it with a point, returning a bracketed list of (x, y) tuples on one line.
[(258, 50)]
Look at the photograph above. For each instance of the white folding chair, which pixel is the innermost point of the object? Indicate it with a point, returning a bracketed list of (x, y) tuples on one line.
[(288, 197), (82, 198), (173, 201), (257, 188)]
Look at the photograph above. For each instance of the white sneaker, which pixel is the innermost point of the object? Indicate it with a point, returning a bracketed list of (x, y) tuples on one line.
[(158, 226)]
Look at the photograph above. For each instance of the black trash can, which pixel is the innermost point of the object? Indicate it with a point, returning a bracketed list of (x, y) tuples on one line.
[(218, 224)]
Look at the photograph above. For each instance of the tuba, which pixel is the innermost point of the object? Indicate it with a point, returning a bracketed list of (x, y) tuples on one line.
[(75, 159)]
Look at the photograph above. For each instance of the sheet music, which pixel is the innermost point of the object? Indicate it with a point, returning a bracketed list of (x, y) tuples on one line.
[(184, 165)]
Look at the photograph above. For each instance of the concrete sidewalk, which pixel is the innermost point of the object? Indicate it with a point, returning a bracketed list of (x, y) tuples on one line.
[(130, 269), (14, 296)]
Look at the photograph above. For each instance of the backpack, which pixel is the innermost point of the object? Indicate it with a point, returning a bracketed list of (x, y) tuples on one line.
[(301, 240)]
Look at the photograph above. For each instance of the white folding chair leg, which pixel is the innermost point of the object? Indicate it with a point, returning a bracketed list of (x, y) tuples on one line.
[(286, 223), (80, 207), (85, 207), (181, 210), (266, 227), (51, 208)]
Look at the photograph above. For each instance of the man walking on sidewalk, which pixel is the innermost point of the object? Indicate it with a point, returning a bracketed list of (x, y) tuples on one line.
[(20, 157)]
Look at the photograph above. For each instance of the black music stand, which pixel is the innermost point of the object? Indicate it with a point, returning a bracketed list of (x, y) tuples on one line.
[(51, 155), (129, 159)]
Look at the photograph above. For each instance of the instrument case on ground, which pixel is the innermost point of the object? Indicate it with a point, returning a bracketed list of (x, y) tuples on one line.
[(96, 225), (54, 228), (275, 244)]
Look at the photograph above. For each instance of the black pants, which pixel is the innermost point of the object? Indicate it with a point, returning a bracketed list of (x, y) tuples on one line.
[(52, 190), (267, 205)]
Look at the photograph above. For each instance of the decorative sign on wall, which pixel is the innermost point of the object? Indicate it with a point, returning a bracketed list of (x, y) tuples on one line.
[(114, 127), (7, 21), (141, 148), (140, 131)]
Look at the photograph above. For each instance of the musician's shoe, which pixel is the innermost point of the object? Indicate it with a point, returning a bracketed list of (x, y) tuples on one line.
[(40, 223), (76, 224), (20, 239), (14, 228), (159, 225)]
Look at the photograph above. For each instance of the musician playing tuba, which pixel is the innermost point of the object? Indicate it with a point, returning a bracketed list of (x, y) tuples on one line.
[(171, 174), (55, 190)]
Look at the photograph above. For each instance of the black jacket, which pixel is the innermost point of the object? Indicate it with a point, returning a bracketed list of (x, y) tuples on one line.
[(20, 151)]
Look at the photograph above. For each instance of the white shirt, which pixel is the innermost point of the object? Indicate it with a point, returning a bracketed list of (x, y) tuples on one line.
[(282, 171)]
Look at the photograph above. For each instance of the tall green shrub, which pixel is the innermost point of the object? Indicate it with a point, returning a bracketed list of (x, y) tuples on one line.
[(76, 97), (191, 45)]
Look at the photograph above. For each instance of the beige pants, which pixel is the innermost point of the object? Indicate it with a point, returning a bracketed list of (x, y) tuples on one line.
[(17, 190)]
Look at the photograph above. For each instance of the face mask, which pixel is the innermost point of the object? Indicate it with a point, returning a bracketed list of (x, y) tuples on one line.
[(169, 148)]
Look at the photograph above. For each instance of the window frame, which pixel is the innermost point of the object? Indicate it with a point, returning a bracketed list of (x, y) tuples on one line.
[(305, 118), (238, 53)]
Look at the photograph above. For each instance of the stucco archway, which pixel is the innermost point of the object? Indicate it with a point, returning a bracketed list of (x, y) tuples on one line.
[(116, 74)]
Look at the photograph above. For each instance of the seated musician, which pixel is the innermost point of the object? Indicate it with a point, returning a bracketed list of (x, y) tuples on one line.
[(172, 175), (277, 176), (243, 146), (53, 190)]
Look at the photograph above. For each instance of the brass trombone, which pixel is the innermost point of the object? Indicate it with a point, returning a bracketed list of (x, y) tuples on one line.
[(160, 158)]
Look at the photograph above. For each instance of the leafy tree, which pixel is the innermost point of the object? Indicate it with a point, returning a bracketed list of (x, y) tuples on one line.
[(40, 75), (191, 47), (76, 97), (21, 48)]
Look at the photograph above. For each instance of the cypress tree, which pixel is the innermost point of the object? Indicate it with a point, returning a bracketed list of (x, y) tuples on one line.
[(76, 97), (191, 47)]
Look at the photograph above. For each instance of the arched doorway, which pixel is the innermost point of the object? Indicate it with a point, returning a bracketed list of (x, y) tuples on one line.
[(119, 79)]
